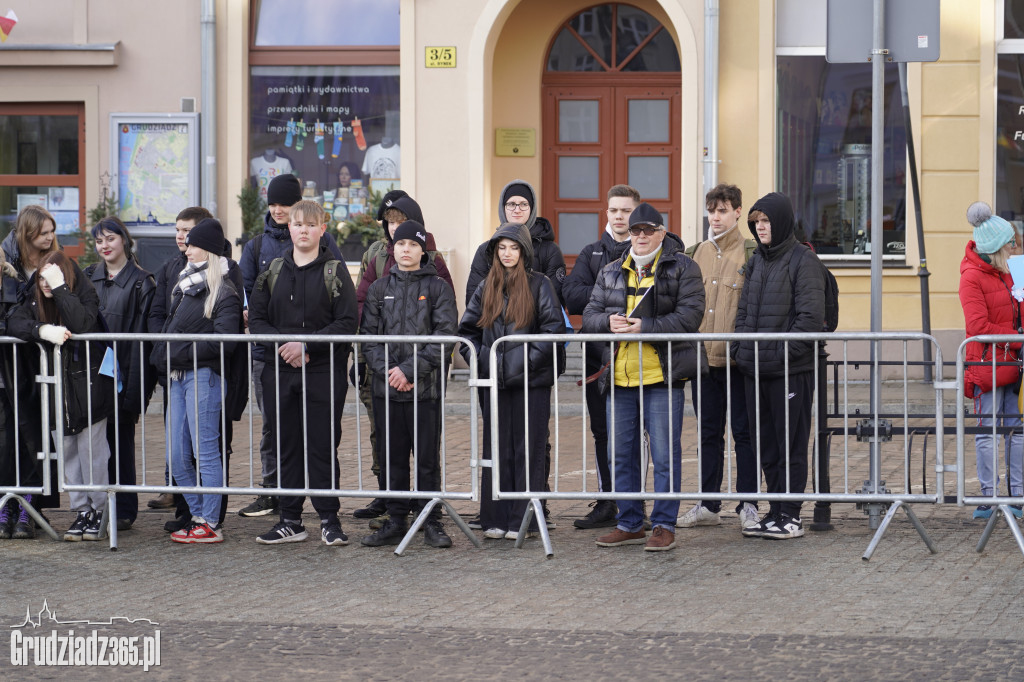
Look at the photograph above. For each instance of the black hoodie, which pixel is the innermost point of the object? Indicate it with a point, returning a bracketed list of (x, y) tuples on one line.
[(784, 292), (547, 257)]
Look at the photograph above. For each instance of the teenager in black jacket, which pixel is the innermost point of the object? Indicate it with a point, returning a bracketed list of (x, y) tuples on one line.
[(304, 383), (784, 291), (126, 292), (407, 380), (513, 299), (576, 290), (65, 303), (204, 301)]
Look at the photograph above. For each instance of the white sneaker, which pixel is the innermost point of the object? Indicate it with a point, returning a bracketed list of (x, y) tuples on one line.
[(494, 534), (698, 516), (748, 515), (514, 534)]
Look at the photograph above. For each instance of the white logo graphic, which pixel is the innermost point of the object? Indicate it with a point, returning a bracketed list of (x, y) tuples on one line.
[(92, 649)]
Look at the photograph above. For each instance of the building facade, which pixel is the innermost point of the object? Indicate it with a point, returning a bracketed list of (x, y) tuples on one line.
[(451, 99)]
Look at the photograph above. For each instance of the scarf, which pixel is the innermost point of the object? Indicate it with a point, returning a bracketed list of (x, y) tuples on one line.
[(644, 264), (193, 276)]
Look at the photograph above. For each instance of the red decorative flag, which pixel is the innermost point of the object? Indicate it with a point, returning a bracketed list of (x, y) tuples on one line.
[(6, 24)]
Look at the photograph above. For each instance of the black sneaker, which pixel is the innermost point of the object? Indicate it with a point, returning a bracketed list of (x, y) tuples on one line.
[(125, 524), (760, 528), (474, 523), (8, 517), (24, 527), (77, 529), (283, 532), (434, 535), (371, 511), (261, 506), (331, 533), (785, 528), (390, 534), (94, 529), (177, 523), (601, 516)]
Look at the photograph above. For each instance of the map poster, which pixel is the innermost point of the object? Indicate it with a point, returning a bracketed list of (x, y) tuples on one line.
[(156, 161)]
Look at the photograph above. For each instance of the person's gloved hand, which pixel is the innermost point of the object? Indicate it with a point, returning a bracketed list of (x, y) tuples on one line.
[(53, 275), (53, 333)]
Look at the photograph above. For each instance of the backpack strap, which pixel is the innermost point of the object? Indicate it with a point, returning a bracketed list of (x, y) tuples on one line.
[(749, 246), (379, 256), (268, 278), (331, 278)]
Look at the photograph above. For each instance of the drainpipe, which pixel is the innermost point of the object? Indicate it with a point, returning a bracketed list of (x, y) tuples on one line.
[(208, 117), (710, 101)]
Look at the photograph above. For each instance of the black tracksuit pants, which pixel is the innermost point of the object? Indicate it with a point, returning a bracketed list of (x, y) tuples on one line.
[(396, 425), (716, 394), (121, 465), (320, 458), (783, 471), (513, 453)]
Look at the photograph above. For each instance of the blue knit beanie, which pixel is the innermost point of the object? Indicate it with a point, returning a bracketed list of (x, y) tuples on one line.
[(991, 232)]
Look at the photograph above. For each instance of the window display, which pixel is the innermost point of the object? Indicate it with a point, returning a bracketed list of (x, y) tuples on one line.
[(335, 127)]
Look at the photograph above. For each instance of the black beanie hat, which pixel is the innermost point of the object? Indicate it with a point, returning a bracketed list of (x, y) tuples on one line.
[(208, 235), (413, 230), (517, 190), (284, 190)]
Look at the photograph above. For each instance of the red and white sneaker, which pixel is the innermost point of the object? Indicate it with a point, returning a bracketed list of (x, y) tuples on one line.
[(197, 531)]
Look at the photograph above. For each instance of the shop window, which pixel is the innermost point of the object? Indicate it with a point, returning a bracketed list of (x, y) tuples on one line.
[(41, 152), (324, 101), (1009, 137), (823, 142)]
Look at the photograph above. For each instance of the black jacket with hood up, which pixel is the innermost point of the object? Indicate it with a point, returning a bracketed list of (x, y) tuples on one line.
[(784, 292), (547, 257), (417, 303), (547, 319)]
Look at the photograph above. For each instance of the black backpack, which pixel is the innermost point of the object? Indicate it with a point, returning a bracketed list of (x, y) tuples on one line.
[(831, 294)]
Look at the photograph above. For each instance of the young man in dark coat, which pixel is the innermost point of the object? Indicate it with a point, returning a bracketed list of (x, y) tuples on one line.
[(407, 380), (576, 290), (304, 383), (283, 192), (784, 292)]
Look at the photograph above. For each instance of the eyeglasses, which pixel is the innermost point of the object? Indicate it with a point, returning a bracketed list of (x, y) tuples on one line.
[(648, 230), (522, 206)]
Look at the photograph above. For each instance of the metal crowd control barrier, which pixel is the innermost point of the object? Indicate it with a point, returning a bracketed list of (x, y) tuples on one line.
[(1004, 422), (875, 434), (24, 473), (349, 471)]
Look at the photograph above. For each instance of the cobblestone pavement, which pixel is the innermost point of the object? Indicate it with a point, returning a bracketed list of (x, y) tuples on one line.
[(718, 607)]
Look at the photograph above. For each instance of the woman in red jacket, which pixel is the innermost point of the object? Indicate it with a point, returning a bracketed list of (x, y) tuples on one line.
[(990, 308)]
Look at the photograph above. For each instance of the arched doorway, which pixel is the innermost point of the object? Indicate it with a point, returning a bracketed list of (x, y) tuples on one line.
[(611, 96)]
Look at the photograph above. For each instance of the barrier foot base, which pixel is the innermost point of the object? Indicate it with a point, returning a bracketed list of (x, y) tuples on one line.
[(822, 517), (1006, 512), (535, 508), (41, 522), (424, 515), (893, 508)]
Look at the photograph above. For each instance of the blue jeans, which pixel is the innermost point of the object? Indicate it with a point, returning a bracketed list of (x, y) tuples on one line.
[(987, 448), (193, 427), (625, 435)]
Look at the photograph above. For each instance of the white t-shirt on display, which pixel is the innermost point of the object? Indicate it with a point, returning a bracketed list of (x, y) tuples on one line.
[(381, 162), (264, 171)]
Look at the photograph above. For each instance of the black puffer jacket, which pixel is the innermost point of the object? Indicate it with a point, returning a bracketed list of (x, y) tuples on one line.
[(678, 309), (579, 283), (547, 319), (301, 304), (547, 257), (78, 311), (125, 301), (24, 367), (783, 292), (186, 317), (416, 303)]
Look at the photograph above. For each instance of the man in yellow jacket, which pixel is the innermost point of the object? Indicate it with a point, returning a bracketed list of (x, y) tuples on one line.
[(722, 258)]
